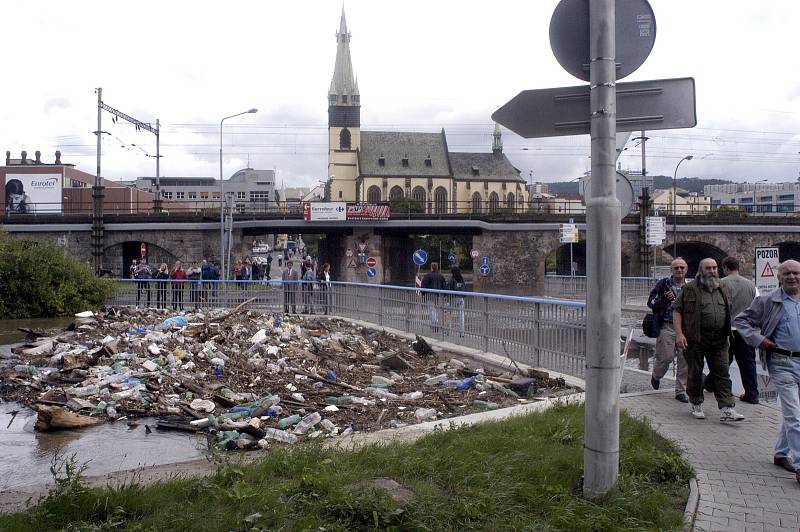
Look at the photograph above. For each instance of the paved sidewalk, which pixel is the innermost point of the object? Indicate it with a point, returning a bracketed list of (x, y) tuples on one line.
[(740, 489)]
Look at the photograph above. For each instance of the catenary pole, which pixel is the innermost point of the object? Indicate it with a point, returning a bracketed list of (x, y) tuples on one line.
[(603, 218)]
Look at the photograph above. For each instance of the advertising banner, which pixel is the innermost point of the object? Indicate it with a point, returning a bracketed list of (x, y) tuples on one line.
[(317, 211), (33, 193), (367, 211)]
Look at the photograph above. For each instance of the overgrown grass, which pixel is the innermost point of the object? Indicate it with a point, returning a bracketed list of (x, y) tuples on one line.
[(523, 473)]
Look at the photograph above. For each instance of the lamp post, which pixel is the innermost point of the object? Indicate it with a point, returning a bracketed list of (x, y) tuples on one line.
[(222, 196), (674, 205)]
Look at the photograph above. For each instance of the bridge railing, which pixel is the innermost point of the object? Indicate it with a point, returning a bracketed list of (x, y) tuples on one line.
[(535, 331), (635, 290)]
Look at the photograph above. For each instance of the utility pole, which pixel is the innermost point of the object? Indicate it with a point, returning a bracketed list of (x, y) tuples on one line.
[(644, 249), (98, 235), (603, 227)]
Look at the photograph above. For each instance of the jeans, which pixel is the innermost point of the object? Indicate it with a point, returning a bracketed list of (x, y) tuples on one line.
[(746, 360), (785, 373)]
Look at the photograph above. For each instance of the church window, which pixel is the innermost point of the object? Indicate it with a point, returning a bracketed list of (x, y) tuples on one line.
[(344, 98), (355, 98), (332, 99), (440, 200), (344, 139), (418, 193), (510, 201), (373, 194), (494, 202), (396, 193)]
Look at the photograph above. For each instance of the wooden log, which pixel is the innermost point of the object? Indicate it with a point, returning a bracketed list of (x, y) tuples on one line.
[(56, 418)]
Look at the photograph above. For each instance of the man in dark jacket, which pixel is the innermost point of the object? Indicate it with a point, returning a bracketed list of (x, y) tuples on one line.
[(660, 301), (434, 280), (702, 319)]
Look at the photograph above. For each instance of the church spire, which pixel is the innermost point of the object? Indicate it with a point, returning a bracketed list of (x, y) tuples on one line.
[(344, 88), (497, 141)]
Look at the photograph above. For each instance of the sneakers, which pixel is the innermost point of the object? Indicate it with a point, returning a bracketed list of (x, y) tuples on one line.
[(729, 414), (682, 397), (784, 462), (752, 399), (697, 412), (655, 383)]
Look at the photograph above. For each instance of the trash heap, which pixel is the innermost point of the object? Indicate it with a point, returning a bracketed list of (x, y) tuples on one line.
[(248, 378)]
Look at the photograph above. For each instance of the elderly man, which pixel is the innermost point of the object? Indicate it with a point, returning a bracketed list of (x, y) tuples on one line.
[(660, 301), (772, 323), (290, 278), (702, 320)]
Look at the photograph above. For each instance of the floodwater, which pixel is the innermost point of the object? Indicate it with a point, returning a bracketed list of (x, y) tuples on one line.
[(26, 455)]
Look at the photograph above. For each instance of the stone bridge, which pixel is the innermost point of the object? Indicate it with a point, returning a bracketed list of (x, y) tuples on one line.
[(519, 253)]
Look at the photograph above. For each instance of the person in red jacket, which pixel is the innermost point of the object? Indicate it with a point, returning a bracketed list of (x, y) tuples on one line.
[(178, 275)]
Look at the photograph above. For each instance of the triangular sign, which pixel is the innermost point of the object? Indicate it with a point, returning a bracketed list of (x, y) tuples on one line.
[(768, 271)]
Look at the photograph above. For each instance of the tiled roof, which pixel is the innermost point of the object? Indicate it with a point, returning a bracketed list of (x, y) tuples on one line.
[(394, 146), (483, 166)]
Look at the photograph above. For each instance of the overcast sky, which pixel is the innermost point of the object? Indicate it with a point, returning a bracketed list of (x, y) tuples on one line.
[(421, 66)]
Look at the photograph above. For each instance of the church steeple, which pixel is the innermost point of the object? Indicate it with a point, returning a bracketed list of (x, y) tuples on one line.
[(344, 86), (497, 141)]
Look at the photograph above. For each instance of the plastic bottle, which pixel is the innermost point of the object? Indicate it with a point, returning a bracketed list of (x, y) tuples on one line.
[(327, 425), (331, 375), (25, 369), (380, 393), (485, 405), (307, 422), (424, 414), (85, 391), (378, 379), (465, 384), (412, 395), (339, 401), (288, 421), (437, 380), (280, 435)]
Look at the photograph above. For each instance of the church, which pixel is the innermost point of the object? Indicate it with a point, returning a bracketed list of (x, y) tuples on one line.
[(380, 166)]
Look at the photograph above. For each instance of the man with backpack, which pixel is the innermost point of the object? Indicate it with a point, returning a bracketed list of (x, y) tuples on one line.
[(661, 299)]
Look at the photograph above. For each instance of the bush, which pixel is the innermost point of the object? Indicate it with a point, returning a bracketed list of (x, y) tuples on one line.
[(406, 206), (41, 281)]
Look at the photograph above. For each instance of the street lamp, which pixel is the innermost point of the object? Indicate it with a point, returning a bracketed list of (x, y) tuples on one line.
[(222, 196), (674, 205)]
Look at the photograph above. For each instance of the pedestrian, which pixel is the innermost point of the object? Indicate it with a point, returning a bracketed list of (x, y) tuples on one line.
[(743, 292), (661, 300), (178, 276), (143, 275), (433, 280), (290, 278), (268, 268), (206, 275), (308, 288), (132, 270), (238, 273), (162, 280), (256, 273), (772, 323), (325, 287), (702, 321), (456, 284), (194, 276)]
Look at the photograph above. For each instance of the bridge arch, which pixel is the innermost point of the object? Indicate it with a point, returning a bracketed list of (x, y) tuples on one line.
[(118, 257), (693, 252), (788, 250)]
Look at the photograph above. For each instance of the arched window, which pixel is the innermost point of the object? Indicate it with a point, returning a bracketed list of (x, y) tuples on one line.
[(373, 194), (344, 139), (510, 200), (476, 203), (396, 193), (494, 202), (440, 200), (521, 202), (418, 194)]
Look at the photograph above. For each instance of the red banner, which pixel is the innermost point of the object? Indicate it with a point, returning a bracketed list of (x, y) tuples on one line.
[(367, 211)]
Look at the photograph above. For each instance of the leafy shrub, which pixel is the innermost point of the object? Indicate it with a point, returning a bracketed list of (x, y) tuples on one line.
[(41, 281)]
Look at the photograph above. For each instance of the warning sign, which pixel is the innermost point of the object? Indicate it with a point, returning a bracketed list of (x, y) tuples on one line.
[(766, 268)]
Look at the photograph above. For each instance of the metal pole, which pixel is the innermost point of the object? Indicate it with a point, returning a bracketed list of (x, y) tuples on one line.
[(603, 235), (157, 199), (674, 206), (221, 209)]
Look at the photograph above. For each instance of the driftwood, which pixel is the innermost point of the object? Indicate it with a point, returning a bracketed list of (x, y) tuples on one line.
[(56, 418), (235, 311), (328, 381)]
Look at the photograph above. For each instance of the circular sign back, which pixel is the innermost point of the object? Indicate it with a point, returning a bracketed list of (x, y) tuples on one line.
[(569, 35)]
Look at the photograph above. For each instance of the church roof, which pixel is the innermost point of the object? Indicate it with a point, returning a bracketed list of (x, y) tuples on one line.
[(396, 146), (343, 81), (483, 167)]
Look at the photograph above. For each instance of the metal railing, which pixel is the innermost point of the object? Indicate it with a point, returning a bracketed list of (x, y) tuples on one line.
[(635, 290), (539, 332)]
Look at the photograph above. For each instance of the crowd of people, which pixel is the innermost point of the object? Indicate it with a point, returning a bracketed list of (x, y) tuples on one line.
[(711, 322)]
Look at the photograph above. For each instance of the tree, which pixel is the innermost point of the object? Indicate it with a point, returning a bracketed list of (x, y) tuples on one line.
[(41, 281), (406, 206)]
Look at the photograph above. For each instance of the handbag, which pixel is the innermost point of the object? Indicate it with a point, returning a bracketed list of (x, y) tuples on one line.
[(650, 326)]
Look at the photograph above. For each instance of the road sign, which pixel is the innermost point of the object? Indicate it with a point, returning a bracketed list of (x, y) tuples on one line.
[(372, 272), (452, 258), (420, 257), (766, 268), (484, 261), (641, 105), (484, 270), (349, 252), (635, 34), (371, 262), (624, 191), (474, 253), (569, 233)]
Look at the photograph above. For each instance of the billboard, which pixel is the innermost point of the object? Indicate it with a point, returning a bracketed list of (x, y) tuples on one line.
[(33, 193), (367, 211), (315, 211)]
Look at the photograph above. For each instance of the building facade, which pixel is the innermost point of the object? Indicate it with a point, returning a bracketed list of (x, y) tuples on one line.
[(379, 166), (756, 198)]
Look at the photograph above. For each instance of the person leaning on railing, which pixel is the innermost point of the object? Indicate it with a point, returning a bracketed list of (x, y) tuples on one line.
[(325, 287), (162, 276), (434, 280), (178, 275)]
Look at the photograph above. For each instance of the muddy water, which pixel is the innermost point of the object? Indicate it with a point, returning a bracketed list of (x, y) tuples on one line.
[(9, 333), (26, 455)]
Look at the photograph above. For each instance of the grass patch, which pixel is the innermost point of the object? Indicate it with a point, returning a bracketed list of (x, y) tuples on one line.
[(522, 473)]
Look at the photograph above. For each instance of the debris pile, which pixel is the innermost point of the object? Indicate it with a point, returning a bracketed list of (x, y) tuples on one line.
[(248, 378)]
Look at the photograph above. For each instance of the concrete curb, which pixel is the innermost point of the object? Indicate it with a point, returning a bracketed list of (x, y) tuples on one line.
[(692, 503)]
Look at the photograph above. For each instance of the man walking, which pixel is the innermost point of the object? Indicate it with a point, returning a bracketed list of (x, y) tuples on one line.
[(660, 301), (434, 280), (143, 275), (290, 278), (772, 323), (702, 321), (743, 292)]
